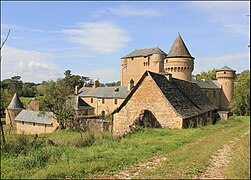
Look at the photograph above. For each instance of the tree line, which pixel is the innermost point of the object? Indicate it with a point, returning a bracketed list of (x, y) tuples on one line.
[(62, 87)]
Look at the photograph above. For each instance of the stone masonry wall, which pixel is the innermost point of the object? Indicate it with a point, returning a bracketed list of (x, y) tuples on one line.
[(136, 67), (200, 120), (147, 97), (11, 114), (36, 128), (108, 106)]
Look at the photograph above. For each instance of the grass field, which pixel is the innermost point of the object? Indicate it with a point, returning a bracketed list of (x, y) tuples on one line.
[(25, 100), (95, 154), (239, 165)]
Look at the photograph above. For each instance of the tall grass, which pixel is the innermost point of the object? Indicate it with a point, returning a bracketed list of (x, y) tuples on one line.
[(87, 155), (239, 165)]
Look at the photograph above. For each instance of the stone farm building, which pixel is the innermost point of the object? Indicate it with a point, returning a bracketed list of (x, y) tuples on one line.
[(159, 86)]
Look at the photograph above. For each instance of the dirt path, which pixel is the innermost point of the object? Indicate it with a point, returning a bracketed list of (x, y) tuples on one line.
[(135, 170), (219, 161), (215, 170)]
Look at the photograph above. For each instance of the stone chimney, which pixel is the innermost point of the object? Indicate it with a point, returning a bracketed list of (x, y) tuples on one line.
[(169, 77), (130, 85), (96, 84)]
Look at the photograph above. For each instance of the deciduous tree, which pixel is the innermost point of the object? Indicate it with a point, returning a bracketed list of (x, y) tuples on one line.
[(241, 102)]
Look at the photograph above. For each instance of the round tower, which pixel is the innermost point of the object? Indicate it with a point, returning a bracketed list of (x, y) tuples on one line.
[(14, 108), (225, 76), (179, 61)]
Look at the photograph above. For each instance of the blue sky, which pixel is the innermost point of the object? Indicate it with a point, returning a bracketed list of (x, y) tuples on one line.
[(89, 38)]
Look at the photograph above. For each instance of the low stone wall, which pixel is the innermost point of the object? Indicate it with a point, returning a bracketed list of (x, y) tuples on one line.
[(89, 124)]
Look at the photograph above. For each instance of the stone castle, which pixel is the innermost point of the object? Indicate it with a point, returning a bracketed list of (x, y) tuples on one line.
[(156, 87)]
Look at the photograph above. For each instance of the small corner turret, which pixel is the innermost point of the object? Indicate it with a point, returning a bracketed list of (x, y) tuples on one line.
[(14, 108), (225, 76)]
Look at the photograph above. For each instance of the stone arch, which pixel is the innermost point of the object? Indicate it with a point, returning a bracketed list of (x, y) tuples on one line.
[(146, 119)]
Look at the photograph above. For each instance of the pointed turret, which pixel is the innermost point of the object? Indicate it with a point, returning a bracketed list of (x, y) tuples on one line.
[(225, 68), (179, 61), (15, 103), (225, 76), (14, 108), (179, 49)]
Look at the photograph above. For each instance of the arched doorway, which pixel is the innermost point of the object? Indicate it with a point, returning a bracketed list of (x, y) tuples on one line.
[(146, 119)]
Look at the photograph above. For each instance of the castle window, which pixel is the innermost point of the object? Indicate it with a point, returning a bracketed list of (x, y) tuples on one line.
[(103, 101), (115, 101), (103, 114), (214, 94), (91, 100), (34, 124), (22, 122)]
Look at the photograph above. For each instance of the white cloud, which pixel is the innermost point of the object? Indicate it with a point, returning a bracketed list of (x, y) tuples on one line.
[(32, 66), (102, 37), (130, 11), (238, 62), (228, 16), (239, 28), (105, 75)]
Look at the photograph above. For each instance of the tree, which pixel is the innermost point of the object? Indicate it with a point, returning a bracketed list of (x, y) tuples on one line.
[(13, 85), (1, 124), (210, 75), (54, 98), (74, 80), (241, 102), (5, 99)]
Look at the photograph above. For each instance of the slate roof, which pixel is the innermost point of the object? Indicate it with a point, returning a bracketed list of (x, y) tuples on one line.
[(207, 84), (15, 103), (119, 92), (225, 68), (34, 117), (80, 104), (179, 49), (144, 52), (186, 98)]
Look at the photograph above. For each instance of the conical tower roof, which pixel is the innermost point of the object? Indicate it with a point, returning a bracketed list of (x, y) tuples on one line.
[(225, 68), (15, 103), (179, 49)]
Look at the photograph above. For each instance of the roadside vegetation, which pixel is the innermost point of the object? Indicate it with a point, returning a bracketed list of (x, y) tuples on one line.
[(239, 165), (67, 154)]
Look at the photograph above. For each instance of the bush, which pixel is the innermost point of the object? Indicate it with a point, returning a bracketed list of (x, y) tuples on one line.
[(87, 139)]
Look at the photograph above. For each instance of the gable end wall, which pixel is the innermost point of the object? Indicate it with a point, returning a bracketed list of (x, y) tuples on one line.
[(147, 97)]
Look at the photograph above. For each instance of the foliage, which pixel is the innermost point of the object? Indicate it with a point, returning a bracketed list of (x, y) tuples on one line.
[(110, 84), (106, 154), (74, 80), (210, 75), (5, 99), (241, 102), (53, 96)]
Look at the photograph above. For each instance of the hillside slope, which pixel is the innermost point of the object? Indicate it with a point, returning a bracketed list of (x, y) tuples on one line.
[(90, 155)]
